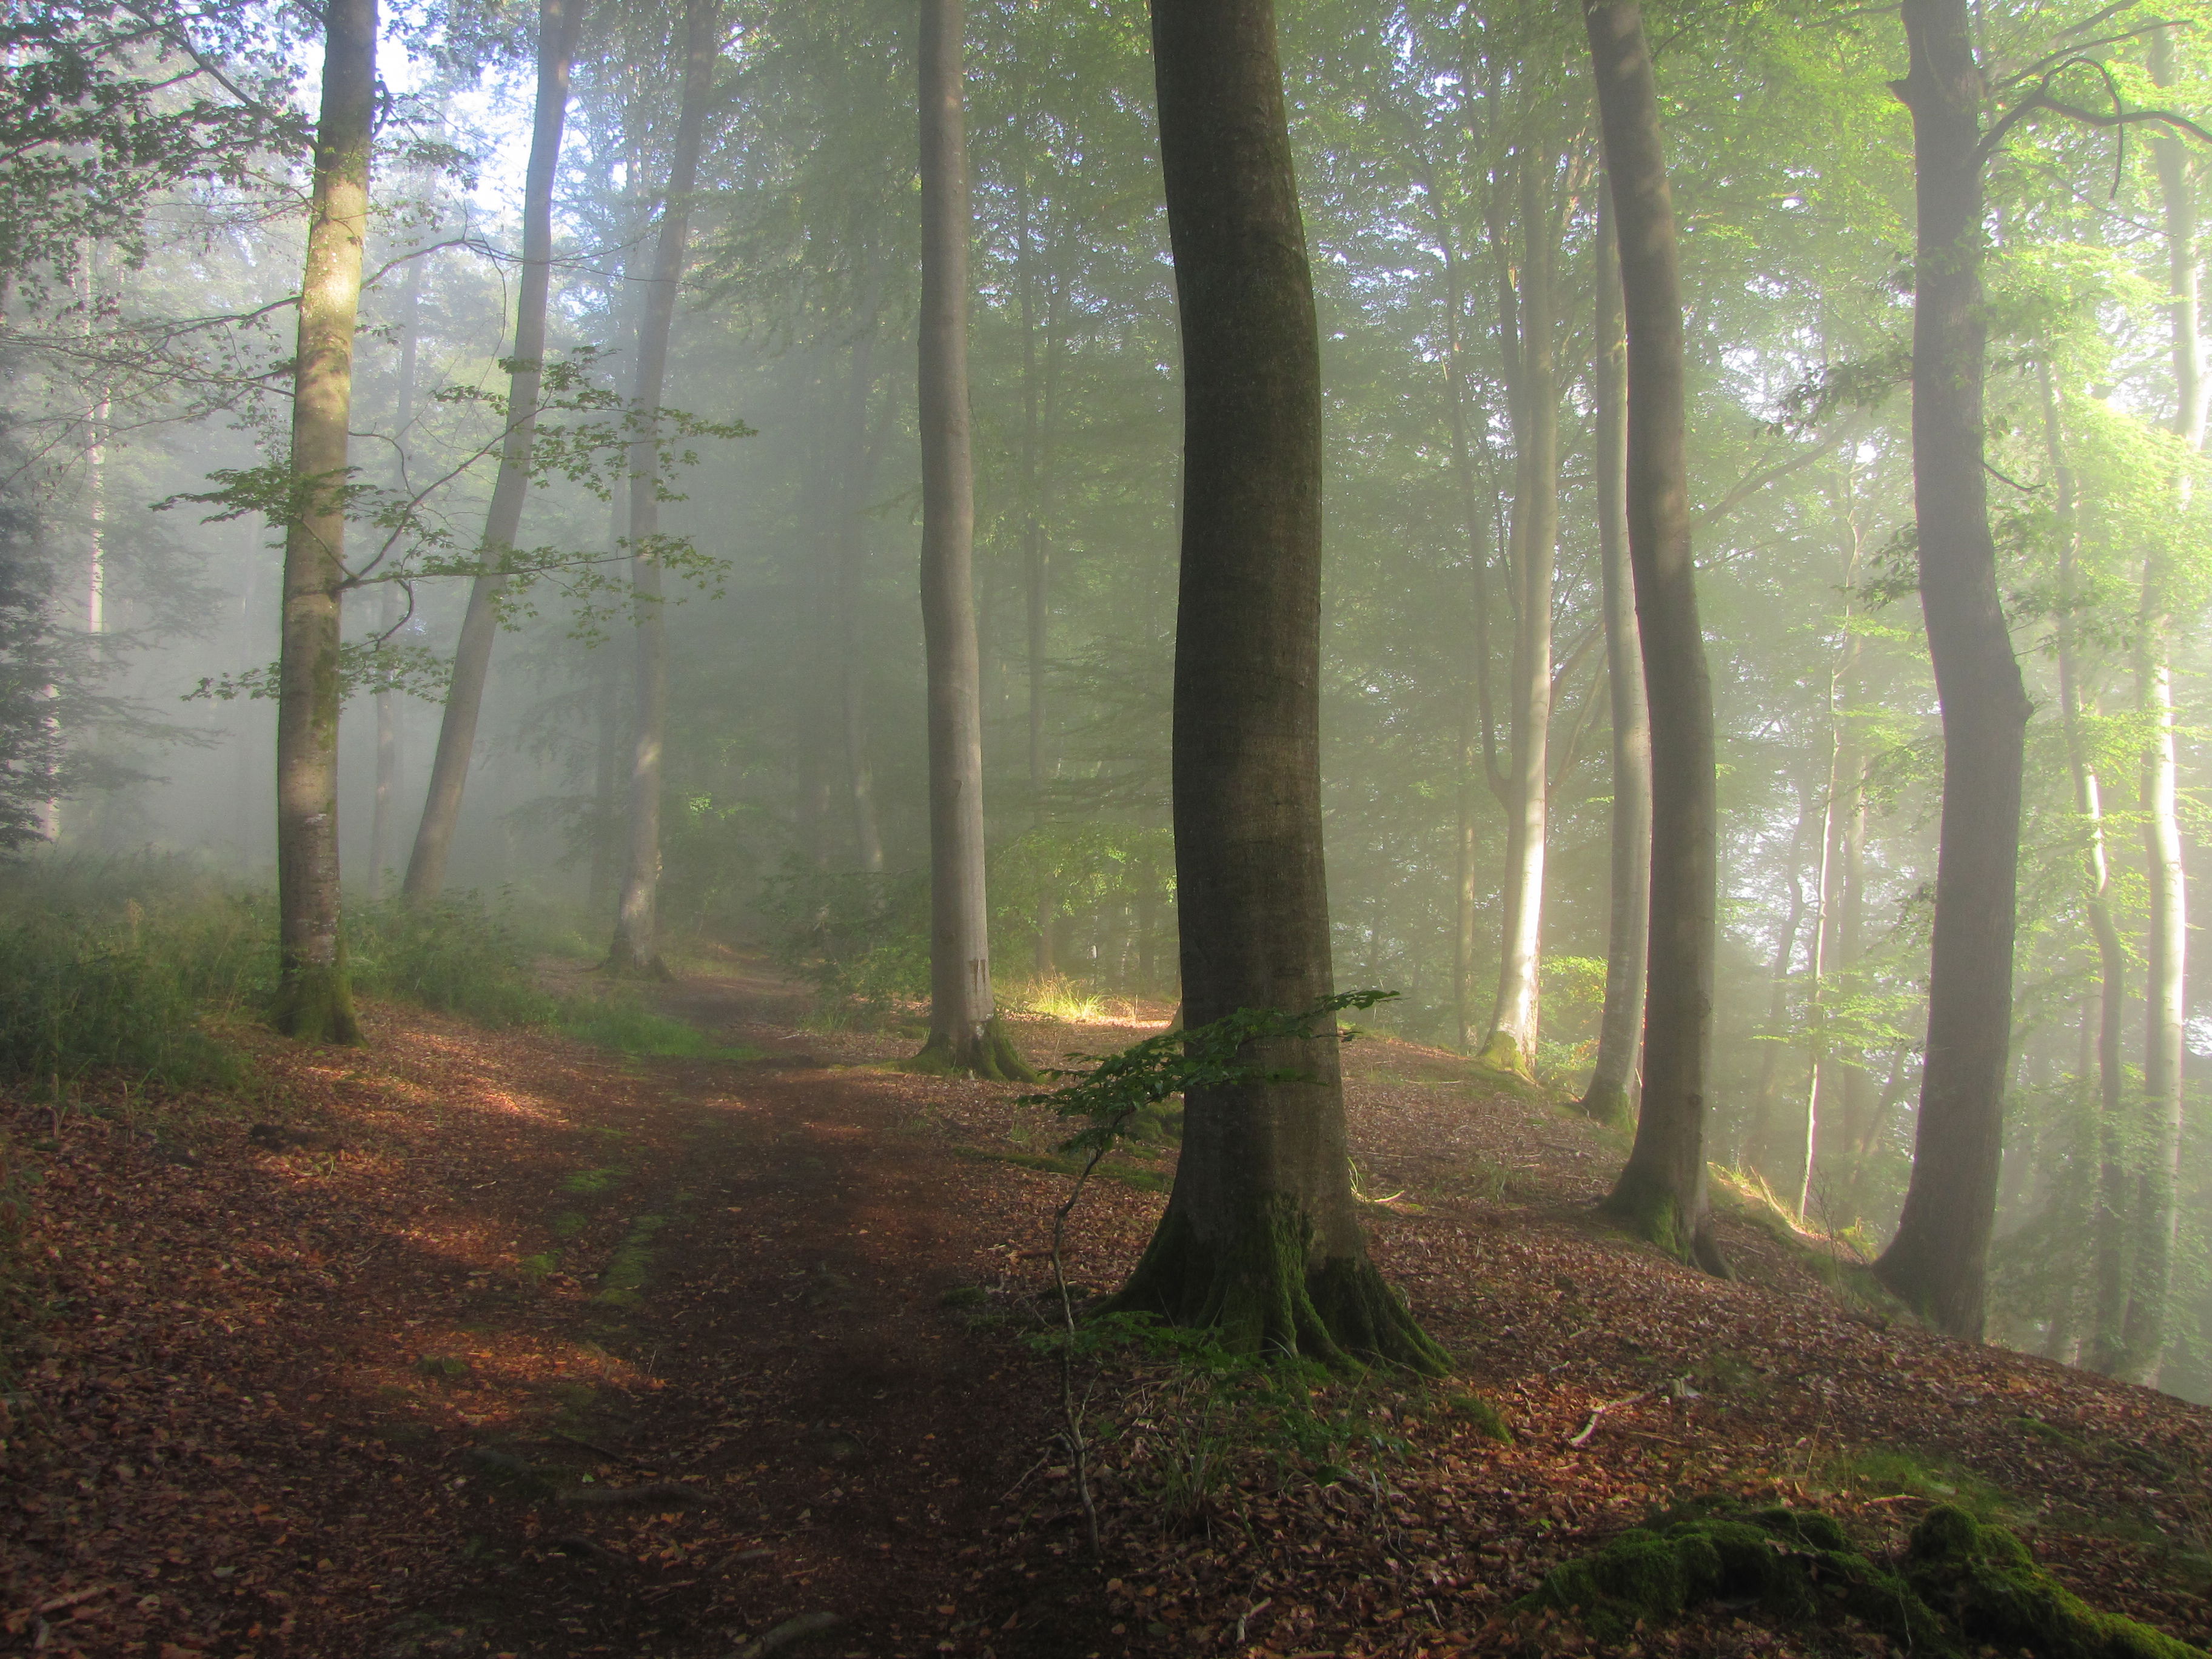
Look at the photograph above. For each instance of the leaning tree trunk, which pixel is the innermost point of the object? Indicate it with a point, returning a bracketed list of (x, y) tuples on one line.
[(964, 1032), (2166, 942), (457, 732), (1262, 1239), (312, 998), (2108, 1243), (1938, 1261), (636, 946), (1661, 1191), (1611, 1097), (1511, 1044)]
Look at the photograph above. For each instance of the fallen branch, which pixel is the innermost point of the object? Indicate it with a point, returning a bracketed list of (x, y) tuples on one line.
[(1591, 1427)]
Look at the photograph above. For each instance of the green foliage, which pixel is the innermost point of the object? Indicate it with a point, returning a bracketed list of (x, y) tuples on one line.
[(1114, 1090), (626, 1025), (858, 938), (457, 956)]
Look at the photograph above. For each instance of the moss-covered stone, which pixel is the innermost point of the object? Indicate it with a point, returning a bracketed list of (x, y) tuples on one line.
[(1984, 1582), (1964, 1585)]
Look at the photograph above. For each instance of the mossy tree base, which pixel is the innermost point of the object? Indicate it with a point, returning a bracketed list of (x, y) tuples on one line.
[(992, 1057), (1267, 1299), (1961, 1585), (1608, 1102), (315, 1005), (1502, 1053), (1647, 1208), (624, 962)]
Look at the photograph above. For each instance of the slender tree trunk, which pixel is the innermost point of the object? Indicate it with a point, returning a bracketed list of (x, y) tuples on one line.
[(1661, 1191), (1611, 1096), (636, 947), (2166, 942), (2109, 1228), (1261, 1238), (1511, 1044), (313, 1000), (457, 732), (964, 1032), (1764, 1141), (1938, 1260), (851, 560), (393, 611)]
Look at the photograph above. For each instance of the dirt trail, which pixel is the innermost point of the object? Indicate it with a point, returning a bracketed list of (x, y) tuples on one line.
[(492, 1344)]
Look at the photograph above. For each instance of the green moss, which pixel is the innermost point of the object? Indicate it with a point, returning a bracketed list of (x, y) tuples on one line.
[(993, 1058), (1484, 1418), (622, 1284), (1129, 1175), (1964, 1585), (1608, 1104), (1982, 1581)]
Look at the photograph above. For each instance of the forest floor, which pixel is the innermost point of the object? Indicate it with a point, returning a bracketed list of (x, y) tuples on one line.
[(472, 1342)]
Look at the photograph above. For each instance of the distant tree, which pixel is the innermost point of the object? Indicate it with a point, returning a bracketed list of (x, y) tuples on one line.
[(313, 999), (636, 947), (965, 1034), (1611, 1096), (1261, 1236), (1661, 1191), (557, 22)]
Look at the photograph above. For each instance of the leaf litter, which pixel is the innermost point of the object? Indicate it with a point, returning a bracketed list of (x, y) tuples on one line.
[(491, 1343)]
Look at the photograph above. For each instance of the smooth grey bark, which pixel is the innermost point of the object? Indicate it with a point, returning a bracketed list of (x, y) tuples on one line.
[(1938, 1260), (1611, 1096), (636, 946), (2109, 1242), (1661, 1191), (2166, 935), (457, 730), (387, 710), (313, 999), (1511, 1044), (1261, 1238), (964, 1032)]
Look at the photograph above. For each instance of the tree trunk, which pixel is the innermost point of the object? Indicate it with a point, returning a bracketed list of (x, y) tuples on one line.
[(2109, 1231), (636, 946), (1262, 1239), (1511, 1044), (388, 704), (2166, 942), (964, 1032), (851, 546), (1611, 1097), (1661, 1191), (457, 732), (1938, 1260), (1763, 1140), (313, 1000)]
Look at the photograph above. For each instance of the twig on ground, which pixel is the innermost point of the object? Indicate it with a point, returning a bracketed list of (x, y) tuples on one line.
[(1591, 1427)]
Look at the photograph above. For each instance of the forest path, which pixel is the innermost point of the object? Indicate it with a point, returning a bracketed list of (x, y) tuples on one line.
[(485, 1343)]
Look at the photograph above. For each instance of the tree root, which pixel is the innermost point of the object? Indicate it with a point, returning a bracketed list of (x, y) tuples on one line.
[(1267, 1300), (992, 1057), (315, 1003)]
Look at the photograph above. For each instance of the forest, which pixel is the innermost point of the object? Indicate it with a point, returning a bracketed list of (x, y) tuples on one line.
[(1022, 828)]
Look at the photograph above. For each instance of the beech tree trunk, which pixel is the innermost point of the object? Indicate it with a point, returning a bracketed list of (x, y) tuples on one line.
[(2109, 1240), (2165, 937), (964, 1032), (636, 946), (387, 710), (1938, 1261), (1511, 1044), (1261, 1240), (1661, 1191), (457, 732), (1611, 1096), (313, 1000)]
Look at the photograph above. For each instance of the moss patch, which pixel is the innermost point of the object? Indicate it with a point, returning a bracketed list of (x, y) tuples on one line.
[(623, 1282), (1962, 1585)]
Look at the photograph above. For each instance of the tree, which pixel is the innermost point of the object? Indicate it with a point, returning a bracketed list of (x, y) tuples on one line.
[(1661, 1191), (636, 948), (449, 770), (312, 998), (1937, 1261), (1261, 1238), (2166, 942), (1611, 1095), (964, 1031)]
